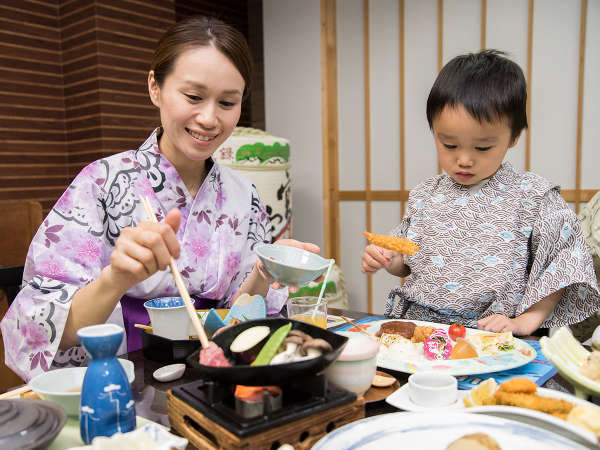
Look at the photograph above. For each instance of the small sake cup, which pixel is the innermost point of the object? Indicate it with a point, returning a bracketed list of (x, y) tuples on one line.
[(432, 389)]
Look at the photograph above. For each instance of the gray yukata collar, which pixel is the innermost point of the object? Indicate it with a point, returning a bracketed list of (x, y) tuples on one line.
[(505, 175)]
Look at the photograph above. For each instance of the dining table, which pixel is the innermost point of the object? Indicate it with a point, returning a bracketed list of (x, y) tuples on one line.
[(150, 395)]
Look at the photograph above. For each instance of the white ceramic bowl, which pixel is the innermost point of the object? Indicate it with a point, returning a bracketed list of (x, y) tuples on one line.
[(63, 386), (432, 389), (169, 318), (356, 366), (291, 266)]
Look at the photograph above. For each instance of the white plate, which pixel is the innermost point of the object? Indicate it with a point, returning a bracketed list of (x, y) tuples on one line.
[(568, 355), (521, 355), (436, 430), (401, 400)]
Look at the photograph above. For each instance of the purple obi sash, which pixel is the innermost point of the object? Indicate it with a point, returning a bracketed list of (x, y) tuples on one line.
[(134, 312)]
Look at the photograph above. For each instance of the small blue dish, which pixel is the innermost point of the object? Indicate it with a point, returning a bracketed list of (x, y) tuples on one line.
[(213, 322), (291, 266), (169, 318), (164, 302)]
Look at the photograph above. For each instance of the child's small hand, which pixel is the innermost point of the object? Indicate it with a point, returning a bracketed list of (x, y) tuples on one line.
[(375, 258), (498, 323)]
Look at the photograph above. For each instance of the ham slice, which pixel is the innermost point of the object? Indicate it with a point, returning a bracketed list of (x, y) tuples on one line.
[(213, 356)]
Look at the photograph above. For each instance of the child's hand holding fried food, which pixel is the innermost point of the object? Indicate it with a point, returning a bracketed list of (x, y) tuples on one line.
[(397, 244), (375, 258)]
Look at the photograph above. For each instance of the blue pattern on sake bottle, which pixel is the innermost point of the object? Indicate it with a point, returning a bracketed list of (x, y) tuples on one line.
[(107, 405)]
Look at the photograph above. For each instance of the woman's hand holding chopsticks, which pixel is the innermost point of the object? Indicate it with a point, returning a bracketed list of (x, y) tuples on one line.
[(139, 252), (143, 250)]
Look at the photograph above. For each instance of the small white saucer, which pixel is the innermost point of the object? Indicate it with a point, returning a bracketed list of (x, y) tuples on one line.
[(401, 400), (171, 372)]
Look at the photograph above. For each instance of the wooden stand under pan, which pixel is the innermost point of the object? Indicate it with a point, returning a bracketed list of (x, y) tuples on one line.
[(203, 433)]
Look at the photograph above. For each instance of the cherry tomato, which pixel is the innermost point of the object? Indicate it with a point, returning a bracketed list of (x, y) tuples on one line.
[(457, 331)]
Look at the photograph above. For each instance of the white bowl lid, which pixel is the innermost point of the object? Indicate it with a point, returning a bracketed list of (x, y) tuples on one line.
[(359, 346)]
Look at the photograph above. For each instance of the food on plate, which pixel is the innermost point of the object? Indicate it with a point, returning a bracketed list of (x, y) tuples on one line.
[(382, 379), (519, 386), (479, 395), (248, 343), (475, 441), (518, 392), (591, 366), (556, 407), (421, 333), (457, 331), (149, 437), (298, 348), (492, 343), (587, 417), (268, 351), (401, 327), (400, 245), (438, 345), (257, 346), (405, 341), (463, 350), (213, 356)]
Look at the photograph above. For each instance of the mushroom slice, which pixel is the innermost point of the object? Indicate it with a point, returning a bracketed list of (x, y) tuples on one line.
[(316, 347), (300, 333)]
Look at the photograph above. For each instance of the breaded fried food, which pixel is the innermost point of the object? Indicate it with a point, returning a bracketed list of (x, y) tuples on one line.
[(475, 441), (421, 333), (403, 328), (519, 386), (400, 245), (533, 401)]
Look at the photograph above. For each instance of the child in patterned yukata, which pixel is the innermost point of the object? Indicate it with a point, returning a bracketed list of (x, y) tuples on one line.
[(96, 259), (499, 250)]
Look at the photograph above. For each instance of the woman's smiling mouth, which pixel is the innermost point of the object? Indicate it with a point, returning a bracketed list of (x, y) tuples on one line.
[(200, 137)]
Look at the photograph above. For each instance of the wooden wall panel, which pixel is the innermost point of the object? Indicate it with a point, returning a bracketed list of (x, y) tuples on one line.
[(33, 152), (73, 83)]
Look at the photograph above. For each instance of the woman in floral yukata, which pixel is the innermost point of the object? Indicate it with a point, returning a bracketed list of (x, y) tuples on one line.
[(500, 250), (96, 259)]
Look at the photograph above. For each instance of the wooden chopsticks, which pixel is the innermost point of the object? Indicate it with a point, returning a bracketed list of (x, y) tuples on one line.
[(16, 393), (179, 283), (148, 329)]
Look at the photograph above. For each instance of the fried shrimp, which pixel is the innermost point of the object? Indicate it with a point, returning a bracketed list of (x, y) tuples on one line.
[(533, 401), (519, 386)]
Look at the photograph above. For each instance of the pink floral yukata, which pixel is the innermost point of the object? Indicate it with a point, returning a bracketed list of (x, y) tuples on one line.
[(219, 230)]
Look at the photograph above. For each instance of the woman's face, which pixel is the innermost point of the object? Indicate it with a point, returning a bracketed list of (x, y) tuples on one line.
[(200, 104)]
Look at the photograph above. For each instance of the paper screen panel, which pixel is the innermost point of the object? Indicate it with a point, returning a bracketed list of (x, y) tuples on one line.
[(462, 27), (506, 30), (590, 160), (351, 95), (554, 90), (386, 215), (420, 70), (384, 94), (352, 223)]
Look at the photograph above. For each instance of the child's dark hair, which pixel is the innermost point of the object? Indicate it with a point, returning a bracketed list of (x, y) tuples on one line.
[(488, 85)]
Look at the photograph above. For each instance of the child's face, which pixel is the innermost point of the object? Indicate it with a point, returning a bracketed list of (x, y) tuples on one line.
[(470, 151)]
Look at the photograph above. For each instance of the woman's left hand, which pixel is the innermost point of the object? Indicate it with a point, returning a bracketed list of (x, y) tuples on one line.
[(291, 243)]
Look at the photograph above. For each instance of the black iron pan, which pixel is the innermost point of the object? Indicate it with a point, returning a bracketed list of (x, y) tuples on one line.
[(277, 374)]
